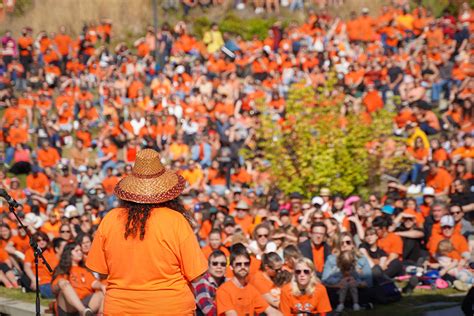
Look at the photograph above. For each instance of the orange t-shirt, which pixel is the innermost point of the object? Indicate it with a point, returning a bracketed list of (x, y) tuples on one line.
[(392, 243), (43, 273), (440, 181), (208, 250), (80, 279), (318, 257), (261, 283), (20, 243), (168, 257), (244, 223), (315, 303), (245, 301), (459, 243), (48, 158), (37, 184), (53, 229)]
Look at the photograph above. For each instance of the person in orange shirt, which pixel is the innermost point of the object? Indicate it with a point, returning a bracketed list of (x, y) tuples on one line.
[(461, 247), (153, 231), (237, 296), (47, 156), (439, 179), (305, 293), (391, 243), (316, 249), (243, 218), (75, 287), (266, 279), (44, 276), (51, 227), (215, 243), (37, 182)]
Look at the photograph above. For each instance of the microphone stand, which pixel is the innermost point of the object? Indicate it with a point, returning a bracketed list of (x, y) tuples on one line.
[(38, 254)]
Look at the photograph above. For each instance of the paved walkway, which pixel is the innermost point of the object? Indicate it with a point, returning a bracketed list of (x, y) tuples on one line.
[(17, 308)]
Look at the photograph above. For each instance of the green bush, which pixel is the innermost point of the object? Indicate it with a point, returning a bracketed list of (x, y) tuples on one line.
[(21, 6), (247, 28), (201, 25)]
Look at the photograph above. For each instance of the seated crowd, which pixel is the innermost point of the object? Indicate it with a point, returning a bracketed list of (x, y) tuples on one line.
[(77, 110)]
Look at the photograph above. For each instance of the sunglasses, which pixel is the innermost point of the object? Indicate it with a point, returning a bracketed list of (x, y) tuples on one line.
[(218, 263), (446, 227), (347, 242), (65, 231), (276, 270), (454, 213), (262, 236), (318, 218), (242, 264), (85, 221), (305, 271), (40, 240)]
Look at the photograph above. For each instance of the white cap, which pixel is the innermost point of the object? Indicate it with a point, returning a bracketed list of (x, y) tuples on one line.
[(317, 200), (82, 168), (447, 220), (71, 211), (428, 191), (33, 220), (365, 10), (180, 69)]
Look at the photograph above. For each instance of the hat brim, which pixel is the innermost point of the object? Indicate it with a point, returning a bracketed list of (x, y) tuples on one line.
[(159, 189)]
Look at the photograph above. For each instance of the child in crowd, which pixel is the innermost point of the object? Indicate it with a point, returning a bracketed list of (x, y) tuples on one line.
[(448, 265), (346, 262)]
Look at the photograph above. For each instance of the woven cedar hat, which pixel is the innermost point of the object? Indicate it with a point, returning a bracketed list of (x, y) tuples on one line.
[(150, 181)]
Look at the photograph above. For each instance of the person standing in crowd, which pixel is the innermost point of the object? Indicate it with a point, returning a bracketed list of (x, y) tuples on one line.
[(154, 232), (205, 288)]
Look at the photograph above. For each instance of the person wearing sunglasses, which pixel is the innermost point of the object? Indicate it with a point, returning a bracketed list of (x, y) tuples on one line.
[(76, 288), (261, 242), (461, 225), (237, 296), (44, 276), (205, 288), (305, 293), (267, 279)]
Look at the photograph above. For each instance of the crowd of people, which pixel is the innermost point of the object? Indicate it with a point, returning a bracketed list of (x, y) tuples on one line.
[(77, 110)]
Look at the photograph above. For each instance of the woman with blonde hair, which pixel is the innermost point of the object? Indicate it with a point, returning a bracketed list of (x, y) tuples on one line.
[(305, 293), (333, 232)]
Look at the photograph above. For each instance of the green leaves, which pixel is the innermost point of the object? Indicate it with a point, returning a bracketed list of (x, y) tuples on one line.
[(310, 150)]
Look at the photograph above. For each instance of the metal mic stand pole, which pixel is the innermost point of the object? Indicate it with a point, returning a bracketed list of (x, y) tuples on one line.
[(38, 254)]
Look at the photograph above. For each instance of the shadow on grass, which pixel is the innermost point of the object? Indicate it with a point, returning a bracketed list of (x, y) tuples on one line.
[(416, 304)]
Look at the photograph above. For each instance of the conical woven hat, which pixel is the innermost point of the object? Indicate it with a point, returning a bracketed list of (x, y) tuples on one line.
[(150, 181)]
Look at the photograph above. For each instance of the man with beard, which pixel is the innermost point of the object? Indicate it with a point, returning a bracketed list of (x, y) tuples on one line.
[(237, 296), (205, 288)]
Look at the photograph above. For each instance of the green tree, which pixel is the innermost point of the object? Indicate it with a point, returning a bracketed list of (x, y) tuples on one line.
[(309, 150)]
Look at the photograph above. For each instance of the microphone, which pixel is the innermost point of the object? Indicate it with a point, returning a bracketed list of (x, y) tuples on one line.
[(4, 194)]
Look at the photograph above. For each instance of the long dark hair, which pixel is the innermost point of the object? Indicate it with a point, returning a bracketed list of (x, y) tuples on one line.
[(138, 214), (65, 263)]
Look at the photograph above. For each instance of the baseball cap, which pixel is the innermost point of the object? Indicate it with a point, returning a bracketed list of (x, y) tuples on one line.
[(317, 200), (325, 192), (447, 220), (284, 212), (229, 220), (388, 209), (428, 191)]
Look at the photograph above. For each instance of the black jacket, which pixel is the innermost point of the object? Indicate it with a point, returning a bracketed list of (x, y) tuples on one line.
[(307, 251)]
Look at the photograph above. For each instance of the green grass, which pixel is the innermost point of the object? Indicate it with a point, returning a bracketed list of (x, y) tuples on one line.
[(18, 295), (409, 305)]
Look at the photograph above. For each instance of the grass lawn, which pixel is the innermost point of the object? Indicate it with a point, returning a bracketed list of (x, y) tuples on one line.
[(18, 295), (413, 305)]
